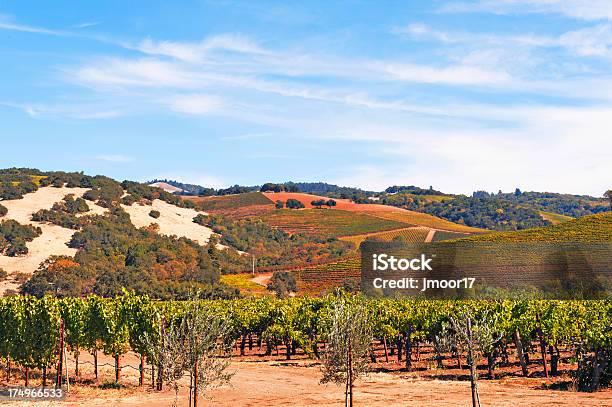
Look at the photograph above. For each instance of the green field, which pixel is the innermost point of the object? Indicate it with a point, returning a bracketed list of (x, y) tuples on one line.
[(328, 222)]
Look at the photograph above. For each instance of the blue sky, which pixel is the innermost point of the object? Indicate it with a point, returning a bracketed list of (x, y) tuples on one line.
[(458, 95)]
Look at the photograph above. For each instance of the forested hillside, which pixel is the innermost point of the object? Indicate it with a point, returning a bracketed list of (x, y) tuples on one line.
[(111, 252), (510, 211)]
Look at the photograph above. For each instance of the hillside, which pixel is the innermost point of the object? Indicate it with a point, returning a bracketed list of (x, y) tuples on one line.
[(166, 187), (501, 211), (588, 229), (482, 210), (554, 218), (236, 206), (74, 234), (172, 221), (324, 222), (381, 211)]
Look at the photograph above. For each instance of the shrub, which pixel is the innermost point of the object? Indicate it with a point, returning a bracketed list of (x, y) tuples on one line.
[(282, 283), (13, 237), (3, 210), (201, 219), (279, 204), (294, 204), (154, 214), (128, 200), (3, 274)]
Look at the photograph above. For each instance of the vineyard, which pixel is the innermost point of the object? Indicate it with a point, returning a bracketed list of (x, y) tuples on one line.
[(328, 275), (444, 235), (588, 229), (423, 219), (329, 222), (538, 338), (555, 218), (236, 206), (411, 235)]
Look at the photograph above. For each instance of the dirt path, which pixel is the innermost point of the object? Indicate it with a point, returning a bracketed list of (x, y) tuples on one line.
[(262, 279), (297, 384)]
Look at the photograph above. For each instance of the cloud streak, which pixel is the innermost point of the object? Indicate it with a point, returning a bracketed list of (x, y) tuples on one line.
[(114, 158), (577, 9)]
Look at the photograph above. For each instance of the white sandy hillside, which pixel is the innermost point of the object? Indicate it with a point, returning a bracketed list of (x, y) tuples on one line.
[(166, 187), (172, 220), (53, 239)]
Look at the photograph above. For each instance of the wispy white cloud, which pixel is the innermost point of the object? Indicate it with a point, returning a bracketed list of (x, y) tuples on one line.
[(7, 24), (589, 41), (86, 24), (114, 158), (579, 9), (373, 101), (451, 75), (78, 111), (195, 104), (193, 52)]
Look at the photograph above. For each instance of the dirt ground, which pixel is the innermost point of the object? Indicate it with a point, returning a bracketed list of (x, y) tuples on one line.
[(173, 220), (268, 382)]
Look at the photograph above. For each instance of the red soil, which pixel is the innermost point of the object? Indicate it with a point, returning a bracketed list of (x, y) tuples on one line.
[(344, 204)]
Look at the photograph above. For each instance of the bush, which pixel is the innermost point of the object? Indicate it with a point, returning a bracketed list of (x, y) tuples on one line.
[(71, 205), (128, 200), (294, 204), (92, 195), (154, 214), (13, 237), (201, 219), (3, 274), (3, 210), (279, 204), (282, 283), (59, 218)]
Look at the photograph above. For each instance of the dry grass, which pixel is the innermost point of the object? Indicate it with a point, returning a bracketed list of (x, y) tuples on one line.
[(555, 218)]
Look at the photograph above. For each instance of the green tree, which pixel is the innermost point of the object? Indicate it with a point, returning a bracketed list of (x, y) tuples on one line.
[(346, 356), (294, 204), (282, 283)]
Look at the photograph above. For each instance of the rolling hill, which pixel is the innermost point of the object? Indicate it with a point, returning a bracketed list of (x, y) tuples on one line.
[(588, 229), (172, 221)]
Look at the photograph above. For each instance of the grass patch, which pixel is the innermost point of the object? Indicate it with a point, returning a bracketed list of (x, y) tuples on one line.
[(555, 218), (244, 284)]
